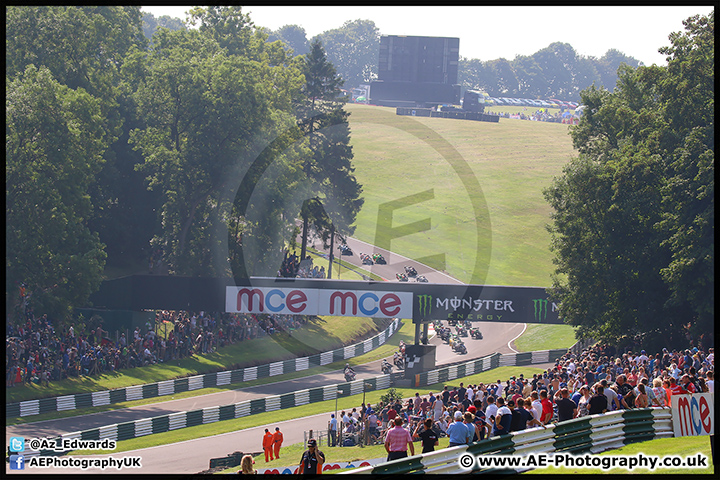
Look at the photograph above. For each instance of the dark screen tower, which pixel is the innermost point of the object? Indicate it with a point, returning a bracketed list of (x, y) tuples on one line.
[(416, 70)]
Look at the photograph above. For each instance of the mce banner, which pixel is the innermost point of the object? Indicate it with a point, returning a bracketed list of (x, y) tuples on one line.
[(421, 302), (693, 414)]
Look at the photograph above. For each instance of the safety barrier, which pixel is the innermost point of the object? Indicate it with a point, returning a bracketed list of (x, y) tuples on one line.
[(479, 365), (164, 423), (215, 379), (593, 434)]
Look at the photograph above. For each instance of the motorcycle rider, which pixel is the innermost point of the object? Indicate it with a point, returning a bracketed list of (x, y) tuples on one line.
[(349, 372)]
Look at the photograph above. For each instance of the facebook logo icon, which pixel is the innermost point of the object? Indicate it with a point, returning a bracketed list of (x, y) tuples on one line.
[(17, 462)]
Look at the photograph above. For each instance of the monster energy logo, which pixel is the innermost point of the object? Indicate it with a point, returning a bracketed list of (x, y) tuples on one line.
[(541, 306), (425, 304)]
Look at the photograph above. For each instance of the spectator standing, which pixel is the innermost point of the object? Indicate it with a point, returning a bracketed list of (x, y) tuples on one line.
[(490, 410), (503, 418), (333, 429), (397, 441), (598, 402), (567, 410), (427, 436), (456, 431), (312, 459), (547, 407)]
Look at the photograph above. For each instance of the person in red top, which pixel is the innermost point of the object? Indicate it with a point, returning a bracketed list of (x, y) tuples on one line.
[(277, 441), (392, 413), (547, 407), (687, 384), (267, 445), (676, 388)]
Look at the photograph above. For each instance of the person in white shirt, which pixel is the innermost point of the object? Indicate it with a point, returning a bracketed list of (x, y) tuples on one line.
[(491, 409), (710, 382), (536, 406), (469, 392), (571, 367), (611, 396)]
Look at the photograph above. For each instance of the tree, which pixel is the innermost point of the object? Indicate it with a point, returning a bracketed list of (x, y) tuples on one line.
[(688, 136), (632, 222), (204, 110), (353, 50), (150, 24), (55, 140), (293, 36), (86, 47), (329, 166)]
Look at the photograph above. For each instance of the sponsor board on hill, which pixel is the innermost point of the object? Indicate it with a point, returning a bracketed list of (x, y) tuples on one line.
[(422, 303)]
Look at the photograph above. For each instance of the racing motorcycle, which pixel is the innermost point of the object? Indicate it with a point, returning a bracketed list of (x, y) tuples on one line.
[(379, 259), (349, 375), (365, 259), (386, 367), (444, 334), (476, 333), (462, 331), (345, 250), (401, 277), (458, 346), (421, 278), (410, 271), (399, 360)]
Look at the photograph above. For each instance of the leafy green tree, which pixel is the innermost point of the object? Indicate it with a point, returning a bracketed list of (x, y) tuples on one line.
[(85, 47), (353, 50), (150, 23), (632, 222), (329, 166), (687, 137), (293, 36), (205, 111), (55, 140)]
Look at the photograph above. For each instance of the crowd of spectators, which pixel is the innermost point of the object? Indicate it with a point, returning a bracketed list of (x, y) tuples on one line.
[(597, 380), (542, 115), (38, 352)]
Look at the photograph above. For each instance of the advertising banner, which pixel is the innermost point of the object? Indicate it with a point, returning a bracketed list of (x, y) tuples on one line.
[(315, 301), (693, 415), (421, 302)]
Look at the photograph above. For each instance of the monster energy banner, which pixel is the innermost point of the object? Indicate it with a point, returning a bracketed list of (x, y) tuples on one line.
[(426, 301), (483, 303)]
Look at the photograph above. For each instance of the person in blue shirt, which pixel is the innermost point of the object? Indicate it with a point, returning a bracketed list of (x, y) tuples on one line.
[(457, 432)]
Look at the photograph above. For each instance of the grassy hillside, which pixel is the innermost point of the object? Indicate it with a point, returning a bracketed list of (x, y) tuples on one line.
[(479, 184)]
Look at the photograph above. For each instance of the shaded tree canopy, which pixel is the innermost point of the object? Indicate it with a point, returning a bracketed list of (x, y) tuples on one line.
[(633, 215)]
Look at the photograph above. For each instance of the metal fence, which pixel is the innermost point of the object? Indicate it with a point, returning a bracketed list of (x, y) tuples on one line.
[(591, 434)]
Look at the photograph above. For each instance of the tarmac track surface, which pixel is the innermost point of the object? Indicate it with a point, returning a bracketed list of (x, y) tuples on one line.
[(194, 456)]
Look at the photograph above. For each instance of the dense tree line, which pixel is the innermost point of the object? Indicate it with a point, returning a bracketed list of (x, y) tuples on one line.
[(633, 220), (128, 137), (556, 71)]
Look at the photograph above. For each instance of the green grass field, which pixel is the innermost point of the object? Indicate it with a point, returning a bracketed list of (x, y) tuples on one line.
[(480, 186)]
